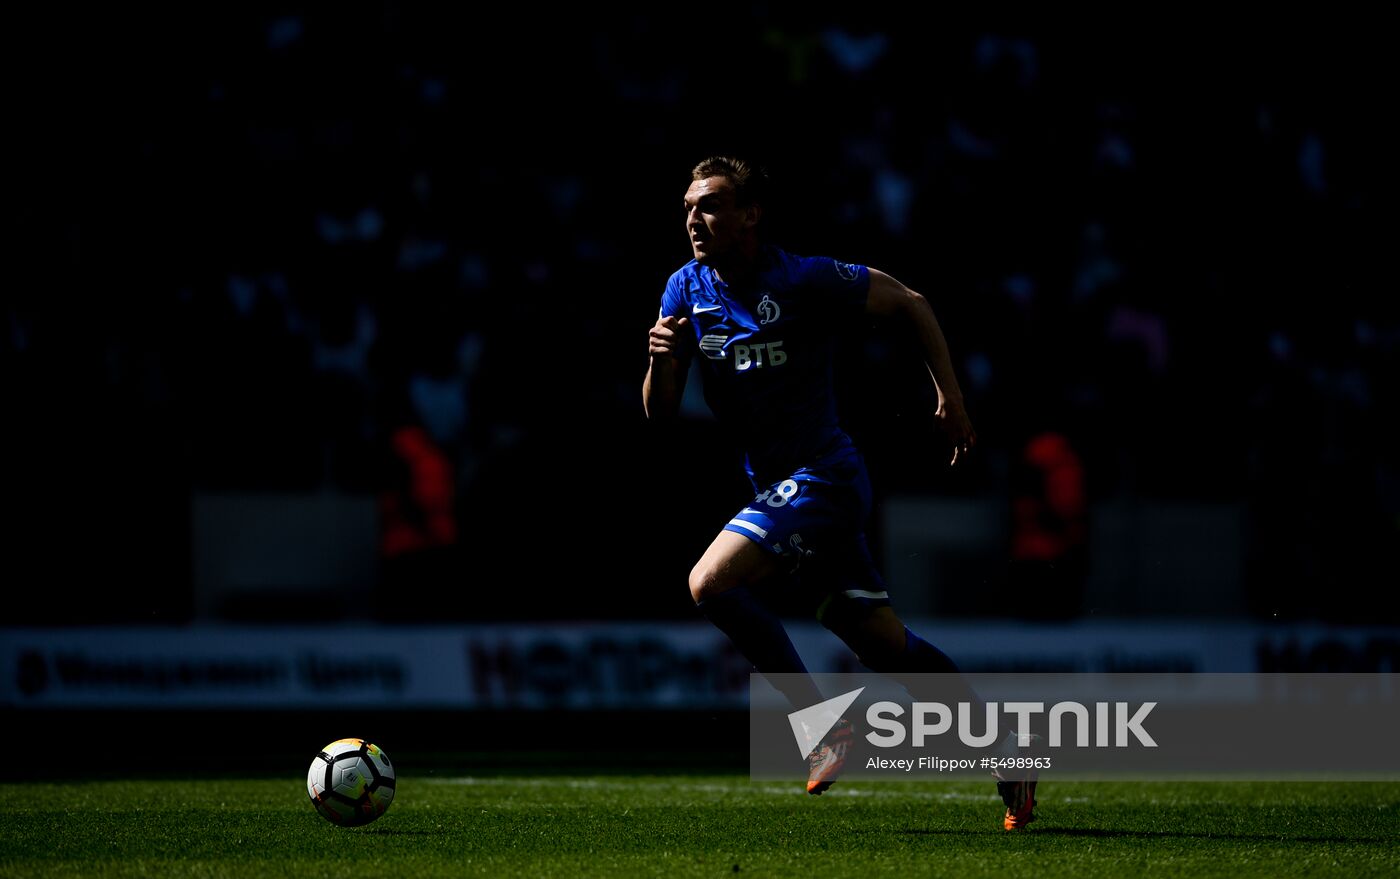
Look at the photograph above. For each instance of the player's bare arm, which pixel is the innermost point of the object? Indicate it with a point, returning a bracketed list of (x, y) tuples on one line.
[(668, 344), (888, 297)]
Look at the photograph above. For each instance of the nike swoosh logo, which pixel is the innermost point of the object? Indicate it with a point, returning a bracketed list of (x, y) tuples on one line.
[(698, 310)]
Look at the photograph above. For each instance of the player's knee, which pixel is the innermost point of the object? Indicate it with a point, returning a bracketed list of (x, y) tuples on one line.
[(707, 581)]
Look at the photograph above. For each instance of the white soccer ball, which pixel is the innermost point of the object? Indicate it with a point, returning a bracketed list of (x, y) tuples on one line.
[(351, 782)]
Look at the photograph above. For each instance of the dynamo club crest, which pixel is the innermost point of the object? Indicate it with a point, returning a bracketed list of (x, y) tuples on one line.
[(768, 310)]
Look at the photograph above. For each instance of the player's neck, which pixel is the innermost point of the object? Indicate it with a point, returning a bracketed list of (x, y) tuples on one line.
[(740, 269)]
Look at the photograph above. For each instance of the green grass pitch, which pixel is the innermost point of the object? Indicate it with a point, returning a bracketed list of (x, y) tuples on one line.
[(720, 825)]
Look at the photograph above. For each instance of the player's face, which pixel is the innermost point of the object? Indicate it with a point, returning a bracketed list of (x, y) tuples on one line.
[(713, 221)]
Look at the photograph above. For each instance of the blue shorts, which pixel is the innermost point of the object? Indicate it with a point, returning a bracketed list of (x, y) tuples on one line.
[(815, 519)]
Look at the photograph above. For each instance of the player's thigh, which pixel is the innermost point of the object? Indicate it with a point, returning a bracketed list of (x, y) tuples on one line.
[(731, 560), (872, 633)]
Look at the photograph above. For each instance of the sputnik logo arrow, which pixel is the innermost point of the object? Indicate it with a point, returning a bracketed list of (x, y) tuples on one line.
[(810, 725)]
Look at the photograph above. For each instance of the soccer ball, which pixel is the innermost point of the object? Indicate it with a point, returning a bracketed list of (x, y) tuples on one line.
[(351, 782)]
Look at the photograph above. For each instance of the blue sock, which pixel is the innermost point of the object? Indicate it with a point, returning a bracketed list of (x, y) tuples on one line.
[(758, 634), (921, 657)]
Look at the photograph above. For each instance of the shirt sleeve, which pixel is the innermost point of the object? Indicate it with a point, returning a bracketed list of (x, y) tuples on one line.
[(673, 302), (841, 287)]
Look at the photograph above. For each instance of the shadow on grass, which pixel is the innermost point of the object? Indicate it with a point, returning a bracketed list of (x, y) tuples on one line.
[(1181, 834), (389, 831), (1102, 833)]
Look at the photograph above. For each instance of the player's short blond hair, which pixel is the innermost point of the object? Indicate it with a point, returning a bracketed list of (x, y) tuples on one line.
[(750, 182)]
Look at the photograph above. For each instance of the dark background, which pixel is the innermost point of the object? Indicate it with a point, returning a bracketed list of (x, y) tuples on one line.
[(413, 255)]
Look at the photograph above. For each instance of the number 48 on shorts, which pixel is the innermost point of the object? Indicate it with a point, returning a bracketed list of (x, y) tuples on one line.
[(786, 491)]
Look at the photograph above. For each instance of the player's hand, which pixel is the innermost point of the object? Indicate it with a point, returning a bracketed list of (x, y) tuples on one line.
[(952, 420), (670, 337)]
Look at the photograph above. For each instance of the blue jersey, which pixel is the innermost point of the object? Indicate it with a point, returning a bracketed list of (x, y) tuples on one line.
[(766, 352)]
